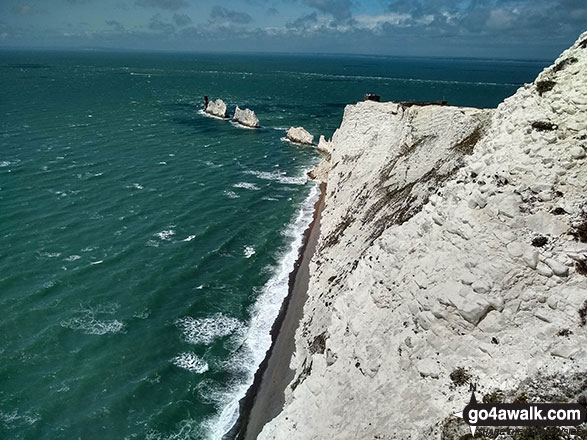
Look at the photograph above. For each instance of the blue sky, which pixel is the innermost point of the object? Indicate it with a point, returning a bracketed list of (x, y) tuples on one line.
[(472, 28)]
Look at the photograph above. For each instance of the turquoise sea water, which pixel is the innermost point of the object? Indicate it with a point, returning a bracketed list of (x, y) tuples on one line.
[(145, 248)]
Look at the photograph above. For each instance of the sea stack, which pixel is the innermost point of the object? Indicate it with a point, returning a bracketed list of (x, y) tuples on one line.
[(452, 251), (216, 108), (246, 117), (300, 135), (320, 171)]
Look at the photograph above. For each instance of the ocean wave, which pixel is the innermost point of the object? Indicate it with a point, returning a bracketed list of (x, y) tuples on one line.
[(237, 125), (208, 115), (88, 323), (7, 163), (391, 78), (210, 163), (278, 176), (93, 326), (14, 418), (211, 392), (231, 194), (206, 330), (166, 234), (246, 185), (187, 429), (72, 258), (249, 251), (257, 337), (49, 254), (190, 362)]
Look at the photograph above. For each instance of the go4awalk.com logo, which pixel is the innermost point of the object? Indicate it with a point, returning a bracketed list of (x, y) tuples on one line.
[(521, 414)]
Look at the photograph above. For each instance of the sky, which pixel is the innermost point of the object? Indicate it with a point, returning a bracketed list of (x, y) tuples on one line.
[(510, 29)]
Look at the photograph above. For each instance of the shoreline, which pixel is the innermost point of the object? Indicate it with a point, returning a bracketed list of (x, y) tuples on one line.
[(265, 397)]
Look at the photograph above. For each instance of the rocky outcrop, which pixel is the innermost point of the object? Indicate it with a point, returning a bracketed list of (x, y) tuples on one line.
[(453, 249), (324, 147), (299, 135), (246, 117), (320, 171), (216, 108)]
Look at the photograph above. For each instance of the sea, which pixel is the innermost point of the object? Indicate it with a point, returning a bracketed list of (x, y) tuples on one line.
[(145, 248)]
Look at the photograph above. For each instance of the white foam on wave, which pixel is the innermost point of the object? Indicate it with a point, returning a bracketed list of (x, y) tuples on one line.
[(249, 251), (72, 258), (190, 238), (257, 338), (245, 127), (187, 429), (87, 321), (206, 330), (231, 194), (398, 79), (166, 234), (15, 418), (246, 185), (212, 164), (279, 176), (50, 254), (190, 362), (208, 115)]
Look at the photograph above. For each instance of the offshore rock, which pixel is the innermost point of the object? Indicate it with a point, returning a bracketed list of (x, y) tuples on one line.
[(246, 117), (300, 135), (216, 108)]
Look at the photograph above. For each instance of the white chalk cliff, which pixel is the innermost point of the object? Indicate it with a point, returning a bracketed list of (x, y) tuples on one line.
[(216, 108), (300, 135), (453, 240), (246, 117)]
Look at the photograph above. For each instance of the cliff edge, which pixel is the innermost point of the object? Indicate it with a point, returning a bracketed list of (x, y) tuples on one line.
[(453, 249)]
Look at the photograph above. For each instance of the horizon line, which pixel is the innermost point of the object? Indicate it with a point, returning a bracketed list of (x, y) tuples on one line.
[(245, 52)]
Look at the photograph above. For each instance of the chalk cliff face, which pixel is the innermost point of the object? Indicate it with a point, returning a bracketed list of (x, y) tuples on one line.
[(454, 240)]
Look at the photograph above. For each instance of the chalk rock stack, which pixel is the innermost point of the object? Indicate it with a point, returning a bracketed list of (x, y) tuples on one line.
[(300, 135), (320, 171), (217, 108), (453, 249), (246, 117)]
